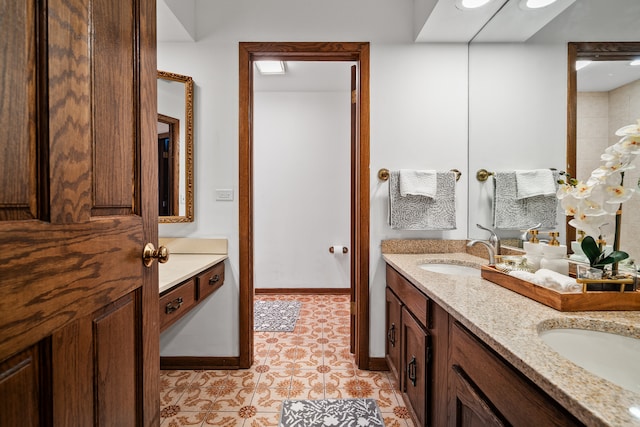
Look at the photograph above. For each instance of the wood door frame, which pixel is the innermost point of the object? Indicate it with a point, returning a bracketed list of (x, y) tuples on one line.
[(304, 51)]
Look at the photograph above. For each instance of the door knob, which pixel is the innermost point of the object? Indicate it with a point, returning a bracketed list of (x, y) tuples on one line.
[(150, 253)]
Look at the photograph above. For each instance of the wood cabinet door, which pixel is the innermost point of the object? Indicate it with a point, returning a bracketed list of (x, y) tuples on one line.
[(393, 346), (78, 188), (416, 349), (469, 409)]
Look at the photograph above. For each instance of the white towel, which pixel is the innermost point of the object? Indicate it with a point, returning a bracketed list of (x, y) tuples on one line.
[(559, 282), (535, 182), (418, 182)]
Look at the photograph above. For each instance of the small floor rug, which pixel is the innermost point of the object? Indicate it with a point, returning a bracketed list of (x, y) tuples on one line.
[(275, 316), (330, 412)]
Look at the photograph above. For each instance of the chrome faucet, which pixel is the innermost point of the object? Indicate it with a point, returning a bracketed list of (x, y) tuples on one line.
[(490, 248), (494, 240)]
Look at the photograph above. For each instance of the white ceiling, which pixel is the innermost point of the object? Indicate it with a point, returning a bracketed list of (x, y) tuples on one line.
[(441, 21)]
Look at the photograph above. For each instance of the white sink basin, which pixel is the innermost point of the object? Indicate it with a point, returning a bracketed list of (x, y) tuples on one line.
[(607, 355), (455, 269)]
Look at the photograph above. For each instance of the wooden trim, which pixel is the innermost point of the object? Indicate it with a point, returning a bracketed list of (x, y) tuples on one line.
[(303, 291), (148, 208), (302, 51), (378, 364), (572, 105), (196, 362)]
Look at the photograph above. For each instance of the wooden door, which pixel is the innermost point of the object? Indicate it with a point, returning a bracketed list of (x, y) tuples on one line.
[(470, 409), (79, 323), (354, 204), (416, 352)]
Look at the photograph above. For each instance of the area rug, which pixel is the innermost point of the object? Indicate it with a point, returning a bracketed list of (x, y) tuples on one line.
[(330, 412), (275, 316)]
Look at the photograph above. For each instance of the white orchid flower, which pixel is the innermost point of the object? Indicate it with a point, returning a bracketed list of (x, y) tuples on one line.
[(629, 129), (618, 194), (630, 144)]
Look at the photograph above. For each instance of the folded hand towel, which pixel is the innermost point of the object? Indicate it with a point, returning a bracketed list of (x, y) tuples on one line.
[(535, 182), (526, 276), (418, 182), (509, 213), (423, 213)]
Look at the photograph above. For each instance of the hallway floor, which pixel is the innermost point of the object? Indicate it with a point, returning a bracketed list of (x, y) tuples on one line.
[(312, 362)]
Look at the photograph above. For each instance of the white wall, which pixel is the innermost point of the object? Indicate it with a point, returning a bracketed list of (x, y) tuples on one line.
[(517, 117), (301, 188)]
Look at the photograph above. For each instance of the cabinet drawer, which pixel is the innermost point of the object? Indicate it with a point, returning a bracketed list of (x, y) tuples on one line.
[(210, 280), (175, 303), (416, 301)]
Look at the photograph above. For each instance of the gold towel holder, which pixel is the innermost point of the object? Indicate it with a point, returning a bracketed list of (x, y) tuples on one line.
[(383, 174), (482, 175)]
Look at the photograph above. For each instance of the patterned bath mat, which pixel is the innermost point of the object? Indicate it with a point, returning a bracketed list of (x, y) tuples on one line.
[(275, 316), (330, 412)]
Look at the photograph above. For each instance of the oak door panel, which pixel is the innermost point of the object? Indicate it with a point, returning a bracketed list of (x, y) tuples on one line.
[(79, 329)]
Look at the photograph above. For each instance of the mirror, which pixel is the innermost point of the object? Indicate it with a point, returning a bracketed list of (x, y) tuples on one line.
[(604, 96), (175, 148)]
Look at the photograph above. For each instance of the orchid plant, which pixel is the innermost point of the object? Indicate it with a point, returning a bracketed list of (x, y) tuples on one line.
[(594, 202)]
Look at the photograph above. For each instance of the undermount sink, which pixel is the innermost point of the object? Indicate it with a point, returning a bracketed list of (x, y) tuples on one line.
[(448, 268), (610, 356)]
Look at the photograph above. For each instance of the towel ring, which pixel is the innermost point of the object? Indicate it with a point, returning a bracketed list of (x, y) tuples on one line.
[(383, 174), (482, 175)]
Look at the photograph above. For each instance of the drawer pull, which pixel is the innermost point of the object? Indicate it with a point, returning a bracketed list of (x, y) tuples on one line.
[(173, 305), (214, 279), (411, 370), (391, 335)]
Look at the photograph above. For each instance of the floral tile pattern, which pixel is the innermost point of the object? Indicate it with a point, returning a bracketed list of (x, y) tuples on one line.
[(310, 363)]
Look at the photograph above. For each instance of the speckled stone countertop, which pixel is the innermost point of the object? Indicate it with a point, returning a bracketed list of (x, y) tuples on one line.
[(509, 323)]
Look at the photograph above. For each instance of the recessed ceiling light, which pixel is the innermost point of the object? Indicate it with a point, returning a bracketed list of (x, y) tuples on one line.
[(536, 4), (472, 4), (635, 62), (582, 63), (270, 67)]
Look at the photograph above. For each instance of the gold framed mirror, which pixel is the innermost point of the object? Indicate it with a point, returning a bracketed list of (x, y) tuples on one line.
[(594, 112), (175, 148)]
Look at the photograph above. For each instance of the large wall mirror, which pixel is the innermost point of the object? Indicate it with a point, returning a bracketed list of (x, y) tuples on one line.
[(175, 148), (604, 95)]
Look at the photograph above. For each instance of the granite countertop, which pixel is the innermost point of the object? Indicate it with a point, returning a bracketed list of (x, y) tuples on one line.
[(180, 267), (509, 323)]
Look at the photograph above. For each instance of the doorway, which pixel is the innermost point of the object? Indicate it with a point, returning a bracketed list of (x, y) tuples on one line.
[(304, 51)]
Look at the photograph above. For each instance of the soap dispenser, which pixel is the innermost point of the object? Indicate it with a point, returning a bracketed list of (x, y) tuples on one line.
[(533, 250), (554, 255)]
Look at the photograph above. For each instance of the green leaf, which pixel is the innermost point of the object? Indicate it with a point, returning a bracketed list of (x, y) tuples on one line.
[(615, 256), (591, 250)]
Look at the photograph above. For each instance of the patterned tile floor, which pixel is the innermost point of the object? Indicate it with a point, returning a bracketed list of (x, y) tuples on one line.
[(312, 362)]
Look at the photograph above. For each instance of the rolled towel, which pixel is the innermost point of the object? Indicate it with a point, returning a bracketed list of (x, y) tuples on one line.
[(560, 282), (527, 277)]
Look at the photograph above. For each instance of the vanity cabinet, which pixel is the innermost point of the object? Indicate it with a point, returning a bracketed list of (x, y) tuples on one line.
[(487, 391), (180, 299), (416, 349)]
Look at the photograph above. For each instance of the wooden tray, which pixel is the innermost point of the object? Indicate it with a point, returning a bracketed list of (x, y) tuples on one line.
[(591, 301)]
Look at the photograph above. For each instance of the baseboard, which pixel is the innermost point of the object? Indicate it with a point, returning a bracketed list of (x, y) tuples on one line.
[(298, 291), (378, 364), (197, 362)]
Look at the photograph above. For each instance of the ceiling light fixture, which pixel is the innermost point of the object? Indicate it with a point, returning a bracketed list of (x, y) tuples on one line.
[(271, 67), (471, 4), (536, 4), (582, 63)]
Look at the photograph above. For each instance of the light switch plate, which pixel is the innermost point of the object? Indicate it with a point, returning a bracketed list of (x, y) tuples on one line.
[(226, 195)]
